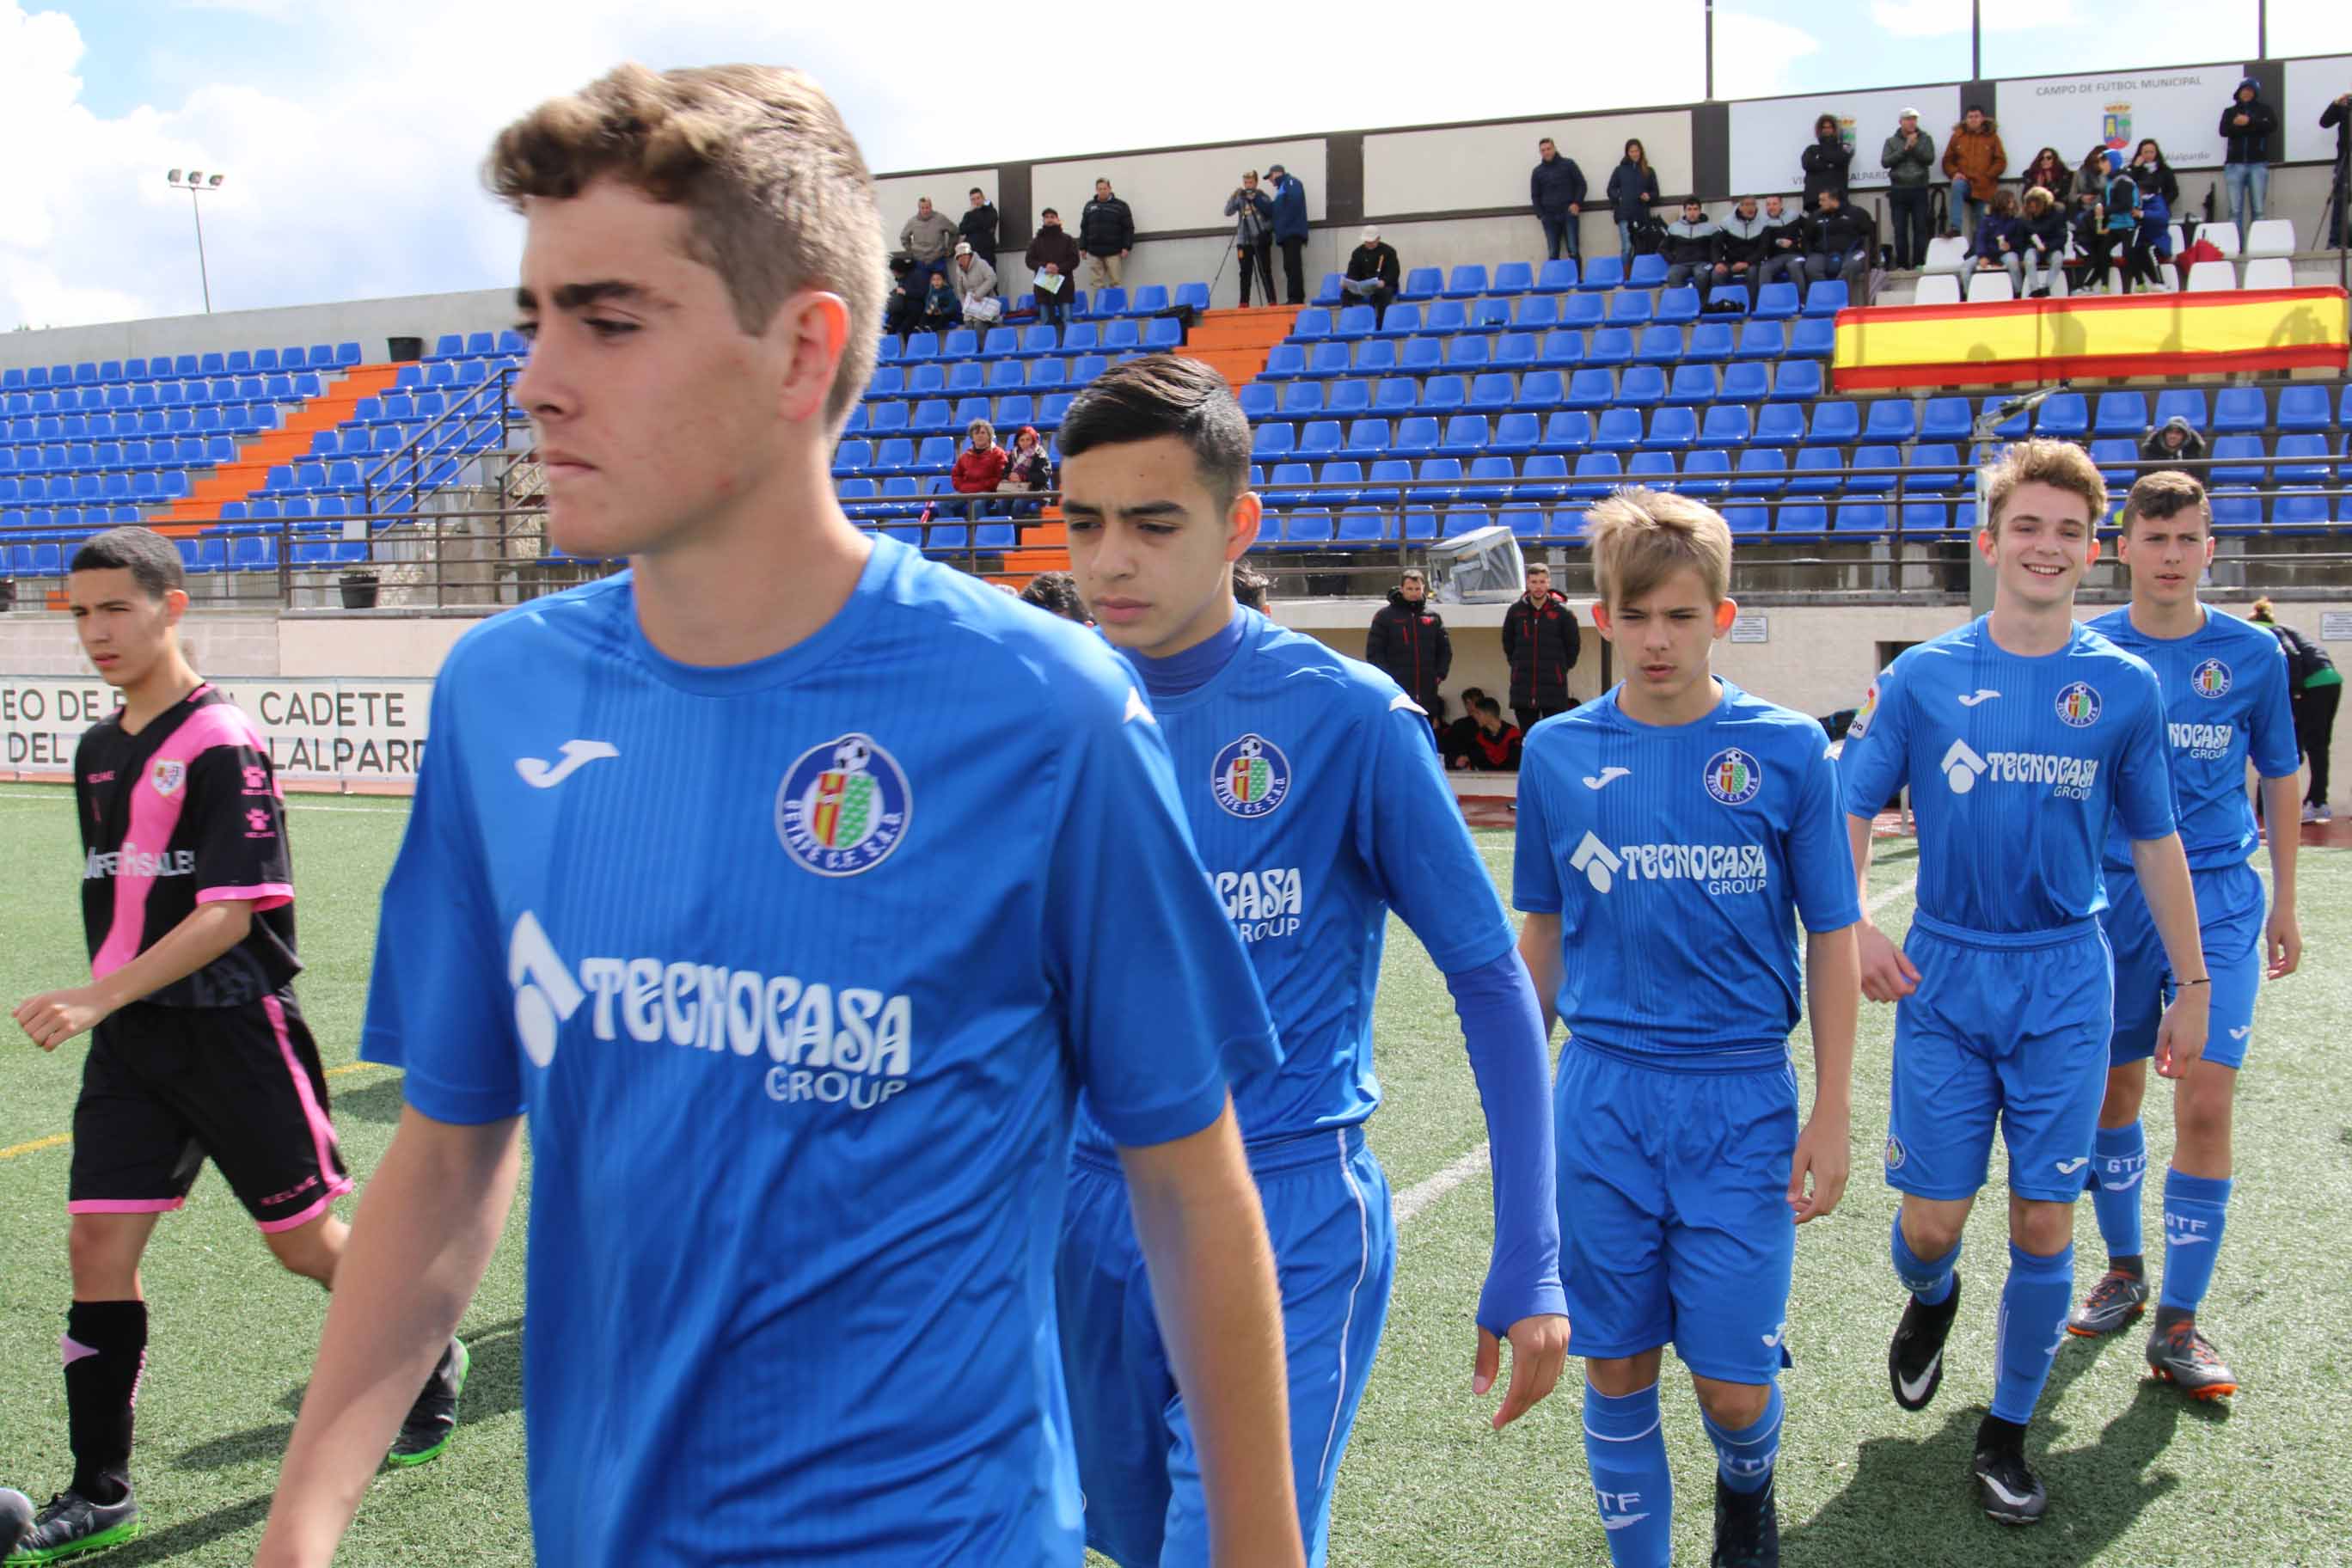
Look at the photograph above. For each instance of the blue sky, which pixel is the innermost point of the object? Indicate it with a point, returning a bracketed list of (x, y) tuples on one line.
[(350, 133)]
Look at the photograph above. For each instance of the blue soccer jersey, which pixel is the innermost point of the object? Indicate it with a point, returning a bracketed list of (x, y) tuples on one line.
[(798, 969), (1313, 789), (2225, 700), (1678, 858), (2015, 767)]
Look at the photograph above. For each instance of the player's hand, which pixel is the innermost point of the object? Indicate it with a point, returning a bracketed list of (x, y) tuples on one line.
[(53, 1018), (1825, 1152), (1886, 972), (2284, 936), (1539, 1350), (2180, 1037)]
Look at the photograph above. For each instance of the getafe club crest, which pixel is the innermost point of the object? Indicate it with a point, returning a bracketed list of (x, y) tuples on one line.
[(2210, 678), (2079, 705), (1250, 776), (842, 806), (169, 776), (1733, 777)]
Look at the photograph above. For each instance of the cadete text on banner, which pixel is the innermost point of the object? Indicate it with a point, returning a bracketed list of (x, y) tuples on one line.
[(354, 733)]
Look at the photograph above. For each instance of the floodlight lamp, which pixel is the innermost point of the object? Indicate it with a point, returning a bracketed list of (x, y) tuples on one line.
[(173, 178), (215, 181)]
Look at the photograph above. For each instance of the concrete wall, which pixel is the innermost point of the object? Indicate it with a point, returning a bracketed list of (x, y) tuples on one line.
[(1470, 167), (369, 321), (895, 197), (1177, 190)]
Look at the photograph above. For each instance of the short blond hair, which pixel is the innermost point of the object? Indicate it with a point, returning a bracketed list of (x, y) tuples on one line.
[(777, 193), (1642, 537), (2042, 461)]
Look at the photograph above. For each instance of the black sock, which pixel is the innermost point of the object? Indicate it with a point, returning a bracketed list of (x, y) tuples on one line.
[(2132, 1263), (1995, 1436), (105, 1350)]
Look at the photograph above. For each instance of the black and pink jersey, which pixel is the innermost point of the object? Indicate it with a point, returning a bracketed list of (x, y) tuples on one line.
[(183, 813)]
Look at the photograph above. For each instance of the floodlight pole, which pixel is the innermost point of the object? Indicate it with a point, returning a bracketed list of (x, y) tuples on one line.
[(203, 273)]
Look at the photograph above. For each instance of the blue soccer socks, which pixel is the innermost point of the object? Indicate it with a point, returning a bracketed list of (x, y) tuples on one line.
[(2032, 1325), (1745, 1459), (2119, 1161), (1929, 1279), (1625, 1449), (2194, 1210)]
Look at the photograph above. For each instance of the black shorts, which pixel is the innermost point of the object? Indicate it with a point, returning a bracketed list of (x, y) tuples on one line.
[(165, 1088)]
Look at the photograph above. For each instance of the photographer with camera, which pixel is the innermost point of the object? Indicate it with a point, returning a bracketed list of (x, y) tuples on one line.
[(2338, 114), (1253, 235)]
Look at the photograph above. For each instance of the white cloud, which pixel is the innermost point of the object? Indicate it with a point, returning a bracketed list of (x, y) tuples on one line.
[(1753, 53)]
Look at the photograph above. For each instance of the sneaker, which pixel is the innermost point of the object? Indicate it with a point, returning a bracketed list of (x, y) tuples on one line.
[(2311, 813), (433, 1419), (2324, 814), (2008, 1491), (2115, 1301), (1914, 1362), (72, 1524), (1747, 1528), (2181, 1356)]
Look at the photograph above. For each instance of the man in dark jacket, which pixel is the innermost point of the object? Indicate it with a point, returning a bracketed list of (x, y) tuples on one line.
[(1052, 254), (1694, 250), (1840, 242), (1252, 210), (977, 228), (1373, 274), (1541, 641), (2246, 127), (1909, 159), (2338, 114), (1495, 746), (1107, 234), (1408, 642), (1555, 190), (1784, 247), (1290, 231)]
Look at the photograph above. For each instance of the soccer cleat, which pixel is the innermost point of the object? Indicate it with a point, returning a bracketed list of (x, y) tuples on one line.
[(1914, 1362), (1747, 1528), (432, 1421), (2008, 1491), (2186, 1359), (72, 1524), (2115, 1301)]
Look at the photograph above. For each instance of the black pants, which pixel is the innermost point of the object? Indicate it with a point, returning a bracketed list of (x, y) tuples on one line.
[(1559, 236), (1910, 207), (1529, 717), (2090, 271), (2314, 724), (1294, 273), (1258, 257)]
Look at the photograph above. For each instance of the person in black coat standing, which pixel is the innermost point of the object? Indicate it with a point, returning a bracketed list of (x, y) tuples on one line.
[(1826, 162), (1555, 190), (977, 227), (1408, 642), (1541, 641)]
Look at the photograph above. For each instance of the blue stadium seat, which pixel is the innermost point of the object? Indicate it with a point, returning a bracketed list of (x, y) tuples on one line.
[(1086, 367), (1312, 325), (921, 346), (1354, 321), (2065, 415), (1536, 313), (1862, 520), (1650, 469), (1602, 272), (1642, 387), (1274, 441), (1927, 517), (961, 342), (2115, 456), (1396, 395), (1375, 356), (1878, 455), (1514, 351), (1283, 362), (1948, 419), (1694, 384), (1730, 299), (1047, 375), (1444, 394), (1745, 381), (1384, 484), (1367, 438), (2302, 408), (1013, 412), (853, 456), (1486, 476), (1827, 296), (1466, 282), (1148, 300), (1568, 430), (1890, 419), (1325, 360), (1279, 488), (1646, 271), (1307, 527), (1630, 307), (1163, 333), (1597, 473), (2120, 414), (936, 455), (1583, 310), (1328, 293), (2228, 467), (1801, 519), (1819, 472), (1445, 317), (1515, 433), (1617, 430), (1813, 337), (2236, 510), (1512, 278), (1346, 399), (1700, 470), (1659, 345), (1835, 424), (1672, 430), (1439, 480), (1528, 522), (2236, 409), (1551, 468), (1319, 438), (1363, 525), (1608, 346), (2299, 511), (1761, 339), (1490, 394), (1007, 375), (1678, 305), (1776, 302), (1465, 353), (1465, 435), (966, 377), (1591, 389), (1780, 425), (1557, 276), (2186, 403), (1051, 410), (1402, 321), (1192, 296), (1796, 381), (2302, 460), (1421, 283), (1421, 356), (1416, 436), (1081, 338), (1489, 315), (1002, 342), (1710, 342), (1728, 424)]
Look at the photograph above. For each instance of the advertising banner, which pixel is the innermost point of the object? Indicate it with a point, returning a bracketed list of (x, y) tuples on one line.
[(2311, 85), (360, 736), (1770, 135), (2182, 109)]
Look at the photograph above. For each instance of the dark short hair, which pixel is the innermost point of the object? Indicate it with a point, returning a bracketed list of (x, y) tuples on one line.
[(1049, 212), (976, 191), (2164, 494), (1161, 395), (1249, 586), (1056, 592), (152, 559)]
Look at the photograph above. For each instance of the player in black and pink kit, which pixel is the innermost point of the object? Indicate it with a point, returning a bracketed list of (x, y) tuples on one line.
[(198, 1049)]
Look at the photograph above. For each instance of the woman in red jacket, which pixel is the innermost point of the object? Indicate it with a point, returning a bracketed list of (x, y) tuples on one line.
[(979, 469)]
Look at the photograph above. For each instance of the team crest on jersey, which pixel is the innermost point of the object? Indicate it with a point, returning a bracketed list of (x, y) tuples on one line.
[(1895, 1154), (1733, 777), (2210, 678), (169, 776), (842, 806), (1250, 776), (2079, 705)]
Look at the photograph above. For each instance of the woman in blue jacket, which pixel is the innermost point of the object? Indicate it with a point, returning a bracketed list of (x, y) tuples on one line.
[(2159, 191), (1998, 245), (1633, 186)]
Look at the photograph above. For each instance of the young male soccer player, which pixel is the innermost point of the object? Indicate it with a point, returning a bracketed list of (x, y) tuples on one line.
[(1313, 792), (2021, 737), (747, 876), (1670, 836), (2225, 692), (197, 1049)]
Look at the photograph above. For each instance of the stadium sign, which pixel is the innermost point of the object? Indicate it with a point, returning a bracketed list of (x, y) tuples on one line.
[(352, 734)]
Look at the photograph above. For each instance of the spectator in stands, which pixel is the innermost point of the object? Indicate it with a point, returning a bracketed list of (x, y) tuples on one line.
[(1633, 188), (979, 469), (1540, 640), (1455, 739), (977, 227), (1840, 242), (1052, 254), (1910, 160), (1408, 640), (1746, 243), (1694, 249), (1056, 592), (2119, 205), (1290, 231), (2041, 243), (2101, 162), (928, 236), (1975, 158), (2174, 441), (2314, 687), (1107, 234), (1028, 471), (902, 307), (2159, 192), (1493, 744), (1827, 162), (2093, 252), (1373, 274), (975, 287), (2050, 171), (1999, 235), (940, 311), (2246, 127), (1249, 587), (2338, 114), (1252, 212), (1784, 240), (1555, 190)]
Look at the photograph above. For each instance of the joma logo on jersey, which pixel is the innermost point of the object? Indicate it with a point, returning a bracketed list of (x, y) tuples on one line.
[(2206, 742), (1261, 904), (1250, 777), (1726, 868), (131, 862), (823, 1044), (2210, 678)]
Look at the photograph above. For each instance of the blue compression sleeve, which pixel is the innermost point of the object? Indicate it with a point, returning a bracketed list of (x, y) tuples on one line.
[(1503, 1028)]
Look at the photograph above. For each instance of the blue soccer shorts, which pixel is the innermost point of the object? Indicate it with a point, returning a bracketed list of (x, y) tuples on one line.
[(1326, 1211), (1674, 1225), (2230, 911), (2005, 1030)]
